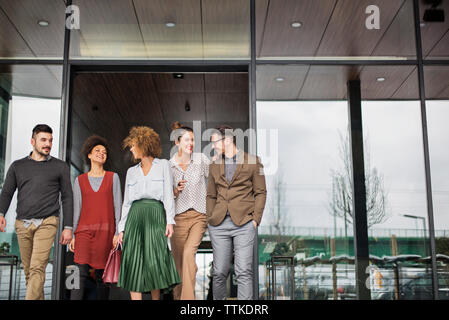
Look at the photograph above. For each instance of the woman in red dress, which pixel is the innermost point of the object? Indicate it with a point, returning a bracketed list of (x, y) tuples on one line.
[(97, 203)]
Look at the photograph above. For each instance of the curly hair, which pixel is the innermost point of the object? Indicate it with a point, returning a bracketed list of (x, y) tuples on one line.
[(90, 144), (146, 139)]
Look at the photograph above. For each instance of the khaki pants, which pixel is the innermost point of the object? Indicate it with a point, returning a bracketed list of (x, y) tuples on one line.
[(35, 245), (188, 233)]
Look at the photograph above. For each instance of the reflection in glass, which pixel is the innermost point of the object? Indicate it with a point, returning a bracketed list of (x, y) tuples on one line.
[(437, 115), (399, 244), (299, 152), (30, 94)]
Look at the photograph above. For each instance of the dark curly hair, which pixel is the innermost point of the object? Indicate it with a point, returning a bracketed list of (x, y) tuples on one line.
[(146, 139), (90, 143)]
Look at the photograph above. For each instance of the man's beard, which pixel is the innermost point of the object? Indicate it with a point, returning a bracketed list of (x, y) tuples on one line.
[(43, 154)]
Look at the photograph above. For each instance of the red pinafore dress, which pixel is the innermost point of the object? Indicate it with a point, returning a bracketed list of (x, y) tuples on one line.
[(96, 227)]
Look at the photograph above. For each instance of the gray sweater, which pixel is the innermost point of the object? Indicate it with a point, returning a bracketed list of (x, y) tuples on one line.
[(39, 185)]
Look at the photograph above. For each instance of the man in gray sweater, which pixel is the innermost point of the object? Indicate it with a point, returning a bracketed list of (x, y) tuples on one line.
[(39, 179)]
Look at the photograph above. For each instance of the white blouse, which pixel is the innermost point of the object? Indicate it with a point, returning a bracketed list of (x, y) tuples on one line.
[(194, 194), (157, 184)]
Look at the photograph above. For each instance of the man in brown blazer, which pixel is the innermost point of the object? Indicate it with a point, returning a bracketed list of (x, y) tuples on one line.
[(236, 196)]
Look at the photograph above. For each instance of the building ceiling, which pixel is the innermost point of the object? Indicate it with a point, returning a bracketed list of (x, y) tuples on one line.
[(214, 29), (220, 29)]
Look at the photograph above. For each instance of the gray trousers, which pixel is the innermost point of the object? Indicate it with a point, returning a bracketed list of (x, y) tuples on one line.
[(226, 237)]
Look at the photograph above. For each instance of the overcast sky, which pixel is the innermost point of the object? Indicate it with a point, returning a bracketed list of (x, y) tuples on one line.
[(308, 149)]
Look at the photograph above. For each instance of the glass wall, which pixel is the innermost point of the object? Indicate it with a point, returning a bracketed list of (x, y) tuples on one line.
[(302, 120), (30, 94), (437, 106), (305, 241), (395, 185)]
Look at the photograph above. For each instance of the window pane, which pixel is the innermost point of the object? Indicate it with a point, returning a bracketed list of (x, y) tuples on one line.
[(437, 106), (395, 189), (30, 94), (301, 142)]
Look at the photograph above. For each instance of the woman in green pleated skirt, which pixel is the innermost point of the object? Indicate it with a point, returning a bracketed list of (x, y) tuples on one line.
[(147, 263), (147, 219)]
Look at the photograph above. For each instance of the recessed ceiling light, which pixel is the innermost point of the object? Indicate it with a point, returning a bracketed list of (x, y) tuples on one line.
[(380, 79), (279, 79), (43, 23), (170, 24), (296, 24)]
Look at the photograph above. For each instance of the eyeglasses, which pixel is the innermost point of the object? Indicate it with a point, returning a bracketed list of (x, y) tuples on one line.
[(215, 142)]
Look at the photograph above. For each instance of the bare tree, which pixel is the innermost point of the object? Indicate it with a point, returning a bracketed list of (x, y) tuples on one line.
[(341, 199), (279, 217)]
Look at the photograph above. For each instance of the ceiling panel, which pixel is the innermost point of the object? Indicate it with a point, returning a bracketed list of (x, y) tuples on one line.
[(134, 107), (173, 107), (226, 28), (327, 82), (226, 82), (227, 107), (399, 37), (347, 35), (441, 49), (109, 29), (182, 41), (280, 39), (12, 44), (409, 88), (44, 41), (436, 82), (166, 82), (432, 33), (394, 77), (261, 15), (91, 97), (269, 89)]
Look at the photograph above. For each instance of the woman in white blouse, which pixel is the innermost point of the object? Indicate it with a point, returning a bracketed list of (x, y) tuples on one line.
[(190, 171), (147, 219)]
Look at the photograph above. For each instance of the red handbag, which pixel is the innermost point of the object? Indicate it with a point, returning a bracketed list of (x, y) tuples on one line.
[(112, 268)]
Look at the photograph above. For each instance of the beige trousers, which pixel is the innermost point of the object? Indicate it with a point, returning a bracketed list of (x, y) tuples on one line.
[(35, 245), (188, 233)]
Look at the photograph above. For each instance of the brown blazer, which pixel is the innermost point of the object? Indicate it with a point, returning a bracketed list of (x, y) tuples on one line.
[(244, 196)]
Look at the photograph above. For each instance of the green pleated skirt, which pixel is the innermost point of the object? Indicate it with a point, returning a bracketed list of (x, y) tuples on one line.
[(147, 263)]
